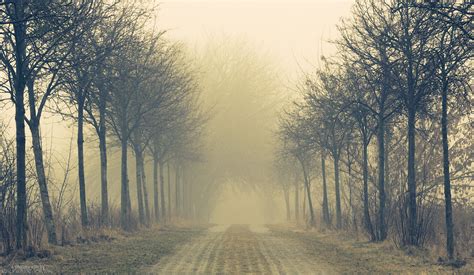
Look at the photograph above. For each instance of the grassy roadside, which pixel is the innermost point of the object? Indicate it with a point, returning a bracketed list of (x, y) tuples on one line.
[(348, 255), (127, 253)]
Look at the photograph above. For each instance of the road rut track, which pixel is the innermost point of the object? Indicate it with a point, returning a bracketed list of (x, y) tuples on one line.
[(241, 249)]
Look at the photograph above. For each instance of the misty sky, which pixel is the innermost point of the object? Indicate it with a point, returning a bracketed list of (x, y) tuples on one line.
[(290, 31)]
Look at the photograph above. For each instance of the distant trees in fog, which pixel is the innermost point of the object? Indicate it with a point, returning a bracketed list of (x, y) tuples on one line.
[(400, 81)]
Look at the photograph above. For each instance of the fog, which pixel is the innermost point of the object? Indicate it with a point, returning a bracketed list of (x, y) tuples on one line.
[(249, 56), (246, 56), (262, 23), (236, 136)]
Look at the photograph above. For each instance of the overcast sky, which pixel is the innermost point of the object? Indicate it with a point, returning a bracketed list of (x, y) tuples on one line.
[(292, 31)]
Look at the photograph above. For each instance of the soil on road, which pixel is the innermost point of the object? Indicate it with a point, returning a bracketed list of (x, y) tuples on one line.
[(241, 249)]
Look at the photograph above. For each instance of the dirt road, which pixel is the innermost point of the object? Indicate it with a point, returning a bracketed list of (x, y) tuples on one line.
[(241, 249), (237, 249)]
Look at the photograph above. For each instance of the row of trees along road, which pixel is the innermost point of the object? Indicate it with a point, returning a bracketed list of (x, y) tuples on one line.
[(400, 81), (97, 63)]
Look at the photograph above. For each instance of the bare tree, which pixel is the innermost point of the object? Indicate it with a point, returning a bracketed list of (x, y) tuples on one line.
[(295, 145), (13, 57), (452, 54), (104, 44), (86, 58), (47, 35), (365, 45), (284, 171), (322, 100), (411, 39), (169, 123), (128, 103)]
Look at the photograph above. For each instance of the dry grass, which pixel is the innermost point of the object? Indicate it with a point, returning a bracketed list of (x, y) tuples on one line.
[(349, 255), (122, 253)]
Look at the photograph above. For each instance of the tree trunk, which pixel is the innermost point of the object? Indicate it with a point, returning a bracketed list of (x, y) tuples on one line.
[(388, 199), (162, 192), (145, 191), (169, 189), (447, 182), (192, 203), (176, 200), (349, 183), (39, 163), (412, 216), (47, 209), (382, 234), (125, 194), (184, 195), (287, 203), (297, 202), (103, 159), (80, 161), (155, 189), (310, 205), (20, 83), (304, 202), (308, 194), (326, 217), (21, 213), (338, 192), (138, 174), (365, 169)]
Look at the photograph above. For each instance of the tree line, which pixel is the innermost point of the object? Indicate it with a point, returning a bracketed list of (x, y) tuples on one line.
[(391, 111), (96, 63)]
